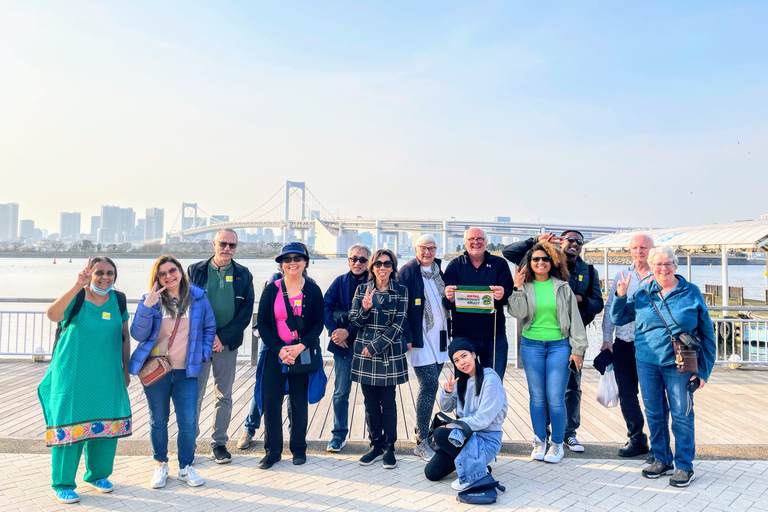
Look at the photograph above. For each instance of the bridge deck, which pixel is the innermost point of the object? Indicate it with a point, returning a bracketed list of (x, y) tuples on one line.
[(730, 410)]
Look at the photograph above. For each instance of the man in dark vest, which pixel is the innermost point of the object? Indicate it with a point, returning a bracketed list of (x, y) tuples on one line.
[(229, 287)]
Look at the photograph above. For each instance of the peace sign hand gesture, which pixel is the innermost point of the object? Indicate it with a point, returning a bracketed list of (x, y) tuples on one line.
[(153, 296), (623, 284), (450, 383), (368, 299), (520, 276), (84, 277)]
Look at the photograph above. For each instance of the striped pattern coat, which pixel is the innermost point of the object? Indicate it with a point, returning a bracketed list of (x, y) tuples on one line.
[(381, 331)]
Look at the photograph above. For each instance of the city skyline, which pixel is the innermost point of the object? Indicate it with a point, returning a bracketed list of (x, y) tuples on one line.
[(590, 114)]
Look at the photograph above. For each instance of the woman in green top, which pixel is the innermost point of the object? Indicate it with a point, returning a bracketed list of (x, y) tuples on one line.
[(553, 340), (83, 394)]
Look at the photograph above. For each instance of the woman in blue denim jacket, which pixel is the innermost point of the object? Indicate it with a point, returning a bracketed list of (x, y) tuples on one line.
[(684, 311), (478, 397), (173, 310)]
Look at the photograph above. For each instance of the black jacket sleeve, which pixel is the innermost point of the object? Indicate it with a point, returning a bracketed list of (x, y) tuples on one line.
[(592, 303), (516, 251), (266, 321), (313, 317)]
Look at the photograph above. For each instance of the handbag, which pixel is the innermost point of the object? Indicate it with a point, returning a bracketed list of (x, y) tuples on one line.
[(684, 345), (309, 359), (155, 368)]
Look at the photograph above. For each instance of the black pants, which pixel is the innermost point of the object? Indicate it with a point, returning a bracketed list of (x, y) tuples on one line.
[(442, 463), (572, 406), (380, 414), (273, 391), (625, 369)]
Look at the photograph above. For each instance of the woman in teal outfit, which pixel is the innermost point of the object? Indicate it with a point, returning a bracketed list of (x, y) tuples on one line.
[(84, 392)]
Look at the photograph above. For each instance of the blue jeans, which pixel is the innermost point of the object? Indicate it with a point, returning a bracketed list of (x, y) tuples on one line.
[(183, 391), (484, 350), (342, 385), (546, 370), (253, 420), (662, 385)]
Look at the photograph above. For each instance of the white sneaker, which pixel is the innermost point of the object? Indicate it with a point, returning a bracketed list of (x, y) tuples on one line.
[(539, 449), (160, 476), (555, 453), (458, 486), (190, 475)]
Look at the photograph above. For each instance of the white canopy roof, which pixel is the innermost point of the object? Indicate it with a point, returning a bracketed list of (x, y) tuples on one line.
[(749, 235)]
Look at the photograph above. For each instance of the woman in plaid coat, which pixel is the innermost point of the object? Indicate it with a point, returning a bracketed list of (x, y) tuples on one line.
[(378, 362)]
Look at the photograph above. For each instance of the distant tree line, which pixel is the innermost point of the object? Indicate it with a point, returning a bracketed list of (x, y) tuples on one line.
[(89, 247)]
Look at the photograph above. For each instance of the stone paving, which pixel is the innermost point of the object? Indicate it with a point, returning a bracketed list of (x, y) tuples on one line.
[(338, 483)]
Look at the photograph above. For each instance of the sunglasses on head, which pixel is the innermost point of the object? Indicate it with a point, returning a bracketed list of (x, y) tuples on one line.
[(296, 258), (355, 259), (224, 245), (545, 259), (572, 240), (378, 264)]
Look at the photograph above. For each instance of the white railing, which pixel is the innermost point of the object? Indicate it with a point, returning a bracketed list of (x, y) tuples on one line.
[(739, 340)]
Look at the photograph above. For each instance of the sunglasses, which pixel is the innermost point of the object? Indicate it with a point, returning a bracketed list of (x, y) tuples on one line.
[(572, 240), (172, 272), (355, 259), (224, 245), (101, 273), (545, 259), (288, 259), (378, 264)]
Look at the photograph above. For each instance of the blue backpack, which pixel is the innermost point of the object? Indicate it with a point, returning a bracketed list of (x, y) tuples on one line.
[(482, 492)]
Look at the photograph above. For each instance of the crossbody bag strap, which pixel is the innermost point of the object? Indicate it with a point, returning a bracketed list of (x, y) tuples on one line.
[(669, 311), (289, 310), (173, 335), (659, 312)]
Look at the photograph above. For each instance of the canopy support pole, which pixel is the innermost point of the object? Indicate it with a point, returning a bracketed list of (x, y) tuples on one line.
[(605, 275), (724, 253)]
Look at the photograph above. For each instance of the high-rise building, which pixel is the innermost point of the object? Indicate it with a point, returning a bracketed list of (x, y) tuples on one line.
[(127, 222), (9, 221), (70, 226), (95, 226), (154, 226), (27, 231), (110, 224)]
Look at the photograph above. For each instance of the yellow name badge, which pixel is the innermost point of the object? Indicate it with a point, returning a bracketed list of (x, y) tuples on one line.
[(155, 352), (417, 302), (581, 278), (106, 316), (297, 303), (228, 279)]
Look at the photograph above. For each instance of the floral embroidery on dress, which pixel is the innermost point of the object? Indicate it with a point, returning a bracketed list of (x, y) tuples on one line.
[(100, 429)]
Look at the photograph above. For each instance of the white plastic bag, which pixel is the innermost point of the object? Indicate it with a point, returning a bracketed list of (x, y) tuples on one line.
[(607, 389)]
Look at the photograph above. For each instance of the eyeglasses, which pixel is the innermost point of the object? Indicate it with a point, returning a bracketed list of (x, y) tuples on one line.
[(355, 259), (171, 272), (475, 240), (667, 264), (101, 273), (545, 259), (426, 249), (288, 259), (572, 240), (224, 245), (387, 264)]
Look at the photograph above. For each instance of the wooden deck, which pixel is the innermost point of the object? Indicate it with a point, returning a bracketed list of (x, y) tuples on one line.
[(731, 410)]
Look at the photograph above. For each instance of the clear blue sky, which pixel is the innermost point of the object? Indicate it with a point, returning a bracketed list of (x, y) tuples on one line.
[(593, 113)]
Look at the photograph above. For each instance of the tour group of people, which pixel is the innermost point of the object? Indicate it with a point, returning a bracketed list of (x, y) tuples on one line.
[(380, 319)]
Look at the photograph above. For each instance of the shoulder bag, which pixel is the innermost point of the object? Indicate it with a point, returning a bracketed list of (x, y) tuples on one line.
[(684, 345), (155, 368), (310, 358)]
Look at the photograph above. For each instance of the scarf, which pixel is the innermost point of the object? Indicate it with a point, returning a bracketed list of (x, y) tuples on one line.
[(434, 274)]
